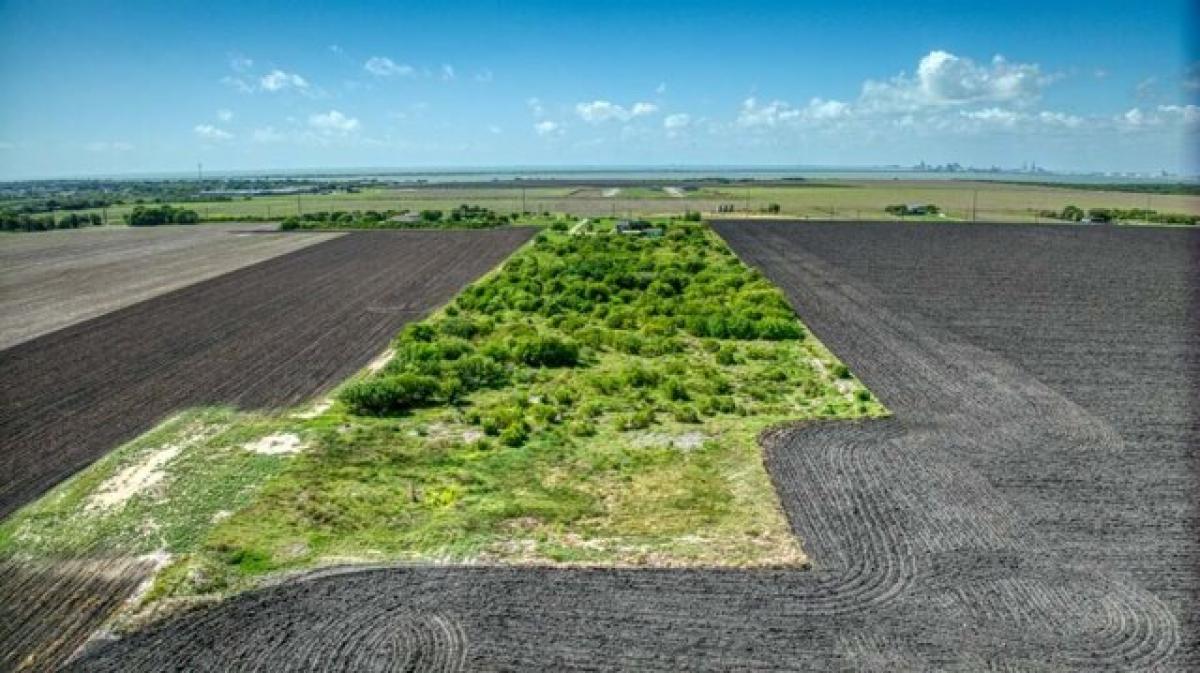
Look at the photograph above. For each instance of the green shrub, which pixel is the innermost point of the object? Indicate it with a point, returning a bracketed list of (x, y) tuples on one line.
[(420, 331), (726, 356), (717, 404), (463, 328), (674, 390), (546, 351), (778, 329), (581, 428), (479, 371), (389, 394), (639, 376), (685, 414), (638, 420), (515, 434)]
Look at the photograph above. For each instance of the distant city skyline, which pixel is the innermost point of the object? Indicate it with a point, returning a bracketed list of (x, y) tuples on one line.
[(145, 87)]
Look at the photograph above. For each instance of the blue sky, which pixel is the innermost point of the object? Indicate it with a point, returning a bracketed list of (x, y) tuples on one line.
[(97, 88)]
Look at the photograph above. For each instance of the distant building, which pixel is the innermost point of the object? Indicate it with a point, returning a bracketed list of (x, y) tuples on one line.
[(407, 218), (916, 209)]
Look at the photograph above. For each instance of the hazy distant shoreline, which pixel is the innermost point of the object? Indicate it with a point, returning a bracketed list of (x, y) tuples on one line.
[(633, 173)]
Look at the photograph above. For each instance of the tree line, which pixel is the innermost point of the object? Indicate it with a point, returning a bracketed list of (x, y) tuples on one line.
[(142, 216), (1107, 215), (10, 221)]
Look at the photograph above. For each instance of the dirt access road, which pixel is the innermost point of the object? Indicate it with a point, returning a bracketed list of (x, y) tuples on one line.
[(267, 335), (1031, 505), (52, 279)]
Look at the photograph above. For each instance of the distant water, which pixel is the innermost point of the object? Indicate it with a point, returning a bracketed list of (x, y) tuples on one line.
[(668, 174)]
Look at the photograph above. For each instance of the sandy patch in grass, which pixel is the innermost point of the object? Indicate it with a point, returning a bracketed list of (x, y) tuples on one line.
[(609, 193), (136, 478), (674, 191), (275, 445), (381, 361), (687, 441), (316, 410)]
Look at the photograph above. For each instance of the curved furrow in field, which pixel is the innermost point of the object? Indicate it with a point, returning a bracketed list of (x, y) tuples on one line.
[(398, 634), (931, 550), (47, 609)]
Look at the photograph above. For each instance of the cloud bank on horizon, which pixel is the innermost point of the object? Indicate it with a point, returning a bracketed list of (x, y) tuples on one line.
[(296, 104)]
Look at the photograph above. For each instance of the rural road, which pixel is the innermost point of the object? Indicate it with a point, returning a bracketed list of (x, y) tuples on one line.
[(1030, 506)]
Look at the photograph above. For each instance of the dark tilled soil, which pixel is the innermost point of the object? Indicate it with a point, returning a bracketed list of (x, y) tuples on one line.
[(268, 335), (1031, 506)]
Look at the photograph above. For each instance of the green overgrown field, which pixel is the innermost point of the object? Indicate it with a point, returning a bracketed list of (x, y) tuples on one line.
[(594, 401), (837, 199)]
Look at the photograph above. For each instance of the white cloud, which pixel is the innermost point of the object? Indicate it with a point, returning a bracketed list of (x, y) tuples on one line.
[(210, 132), (333, 122), (447, 71), (778, 113), (948, 95), (661, 88), (484, 75), (599, 111), (108, 146), (1188, 114), (1060, 119), (1163, 115), (946, 79), (547, 128), (278, 80), (677, 121), (994, 115), (383, 66), (535, 106), (224, 114), (826, 109), (676, 124), (772, 114), (1135, 117), (640, 109)]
